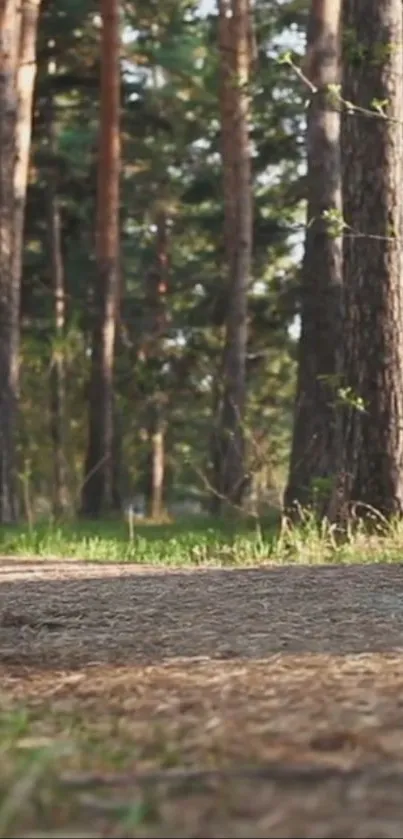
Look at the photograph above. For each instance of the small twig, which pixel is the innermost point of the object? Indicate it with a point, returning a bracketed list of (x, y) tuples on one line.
[(351, 107), (278, 772), (102, 805), (89, 476)]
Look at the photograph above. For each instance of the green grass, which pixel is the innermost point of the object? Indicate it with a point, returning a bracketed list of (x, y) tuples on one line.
[(194, 541), (202, 541)]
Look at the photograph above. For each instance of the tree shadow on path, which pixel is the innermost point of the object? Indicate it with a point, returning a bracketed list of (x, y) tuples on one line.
[(67, 615)]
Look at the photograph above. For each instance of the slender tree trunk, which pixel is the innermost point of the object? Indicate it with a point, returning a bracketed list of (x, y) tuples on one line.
[(157, 304), (18, 31), (117, 462), (158, 426), (10, 25), (156, 438), (57, 377), (58, 382), (215, 499), (372, 181), (316, 435), (98, 483), (235, 58)]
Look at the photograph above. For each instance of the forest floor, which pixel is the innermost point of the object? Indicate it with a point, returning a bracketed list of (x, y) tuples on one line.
[(248, 702)]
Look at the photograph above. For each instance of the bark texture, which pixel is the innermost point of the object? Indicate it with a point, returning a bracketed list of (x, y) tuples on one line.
[(316, 434), (235, 66), (373, 177), (98, 492)]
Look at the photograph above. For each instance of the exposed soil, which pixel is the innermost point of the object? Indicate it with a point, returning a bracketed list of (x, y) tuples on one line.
[(289, 678)]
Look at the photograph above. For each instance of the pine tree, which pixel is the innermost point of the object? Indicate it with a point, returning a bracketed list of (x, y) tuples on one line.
[(235, 43), (98, 478), (316, 435), (372, 180)]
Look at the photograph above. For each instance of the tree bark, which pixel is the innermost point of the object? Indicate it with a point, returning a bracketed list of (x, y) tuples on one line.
[(235, 64), (372, 181), (98, 491), (315, 449), (18, 32)]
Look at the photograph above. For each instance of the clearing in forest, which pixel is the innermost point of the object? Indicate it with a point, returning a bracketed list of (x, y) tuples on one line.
[(283, 686)]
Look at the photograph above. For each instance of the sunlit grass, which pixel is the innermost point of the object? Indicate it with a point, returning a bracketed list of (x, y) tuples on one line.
[(205, 541), (195, 542)]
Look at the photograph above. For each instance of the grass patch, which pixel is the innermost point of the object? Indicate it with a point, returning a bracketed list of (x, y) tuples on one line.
[(192, 541), (203, 541)]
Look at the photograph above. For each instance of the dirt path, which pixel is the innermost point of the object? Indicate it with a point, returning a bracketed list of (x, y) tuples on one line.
[(296, 670)]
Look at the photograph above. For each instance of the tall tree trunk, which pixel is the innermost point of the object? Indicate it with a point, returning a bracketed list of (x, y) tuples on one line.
[(57, 377), (157, 287), (27, 67), (316, 434), (10, 24), (18, 31), (97, 492), (235, 58), (372, 181)]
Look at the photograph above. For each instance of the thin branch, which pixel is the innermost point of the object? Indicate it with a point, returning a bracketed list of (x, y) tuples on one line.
[(272, 771)]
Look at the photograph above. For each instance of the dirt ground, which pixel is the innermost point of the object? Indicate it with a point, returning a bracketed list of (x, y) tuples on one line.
[(251, 702)]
